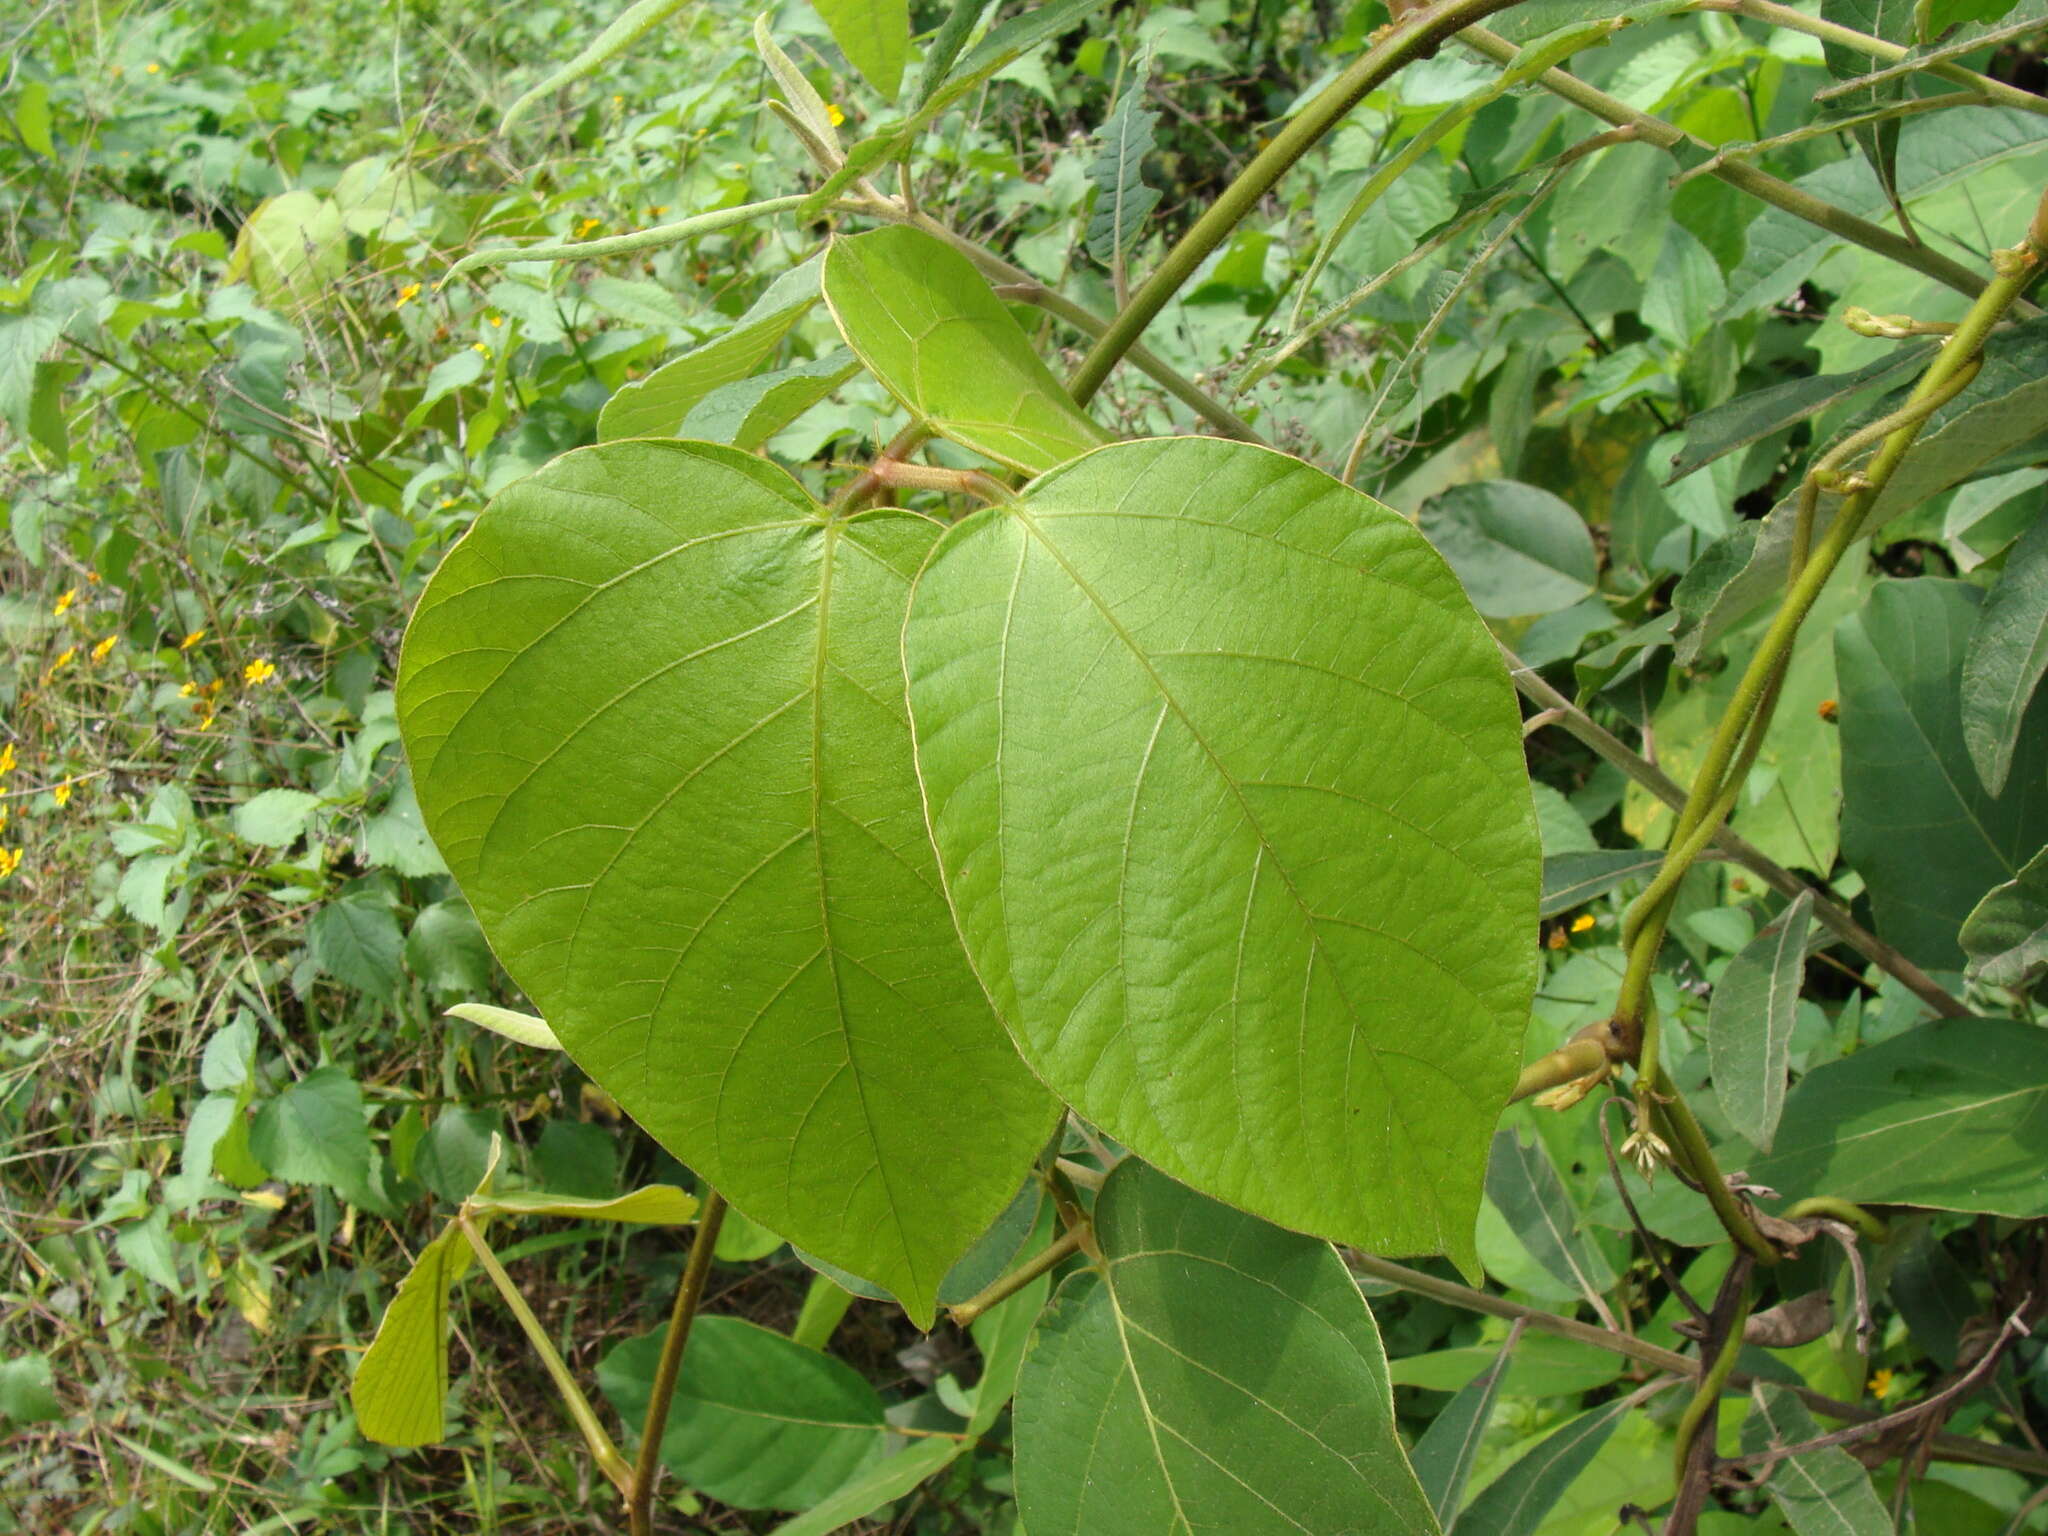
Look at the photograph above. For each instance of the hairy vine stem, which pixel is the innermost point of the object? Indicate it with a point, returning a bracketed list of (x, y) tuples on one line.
[(689, 1297), (1412, 37)]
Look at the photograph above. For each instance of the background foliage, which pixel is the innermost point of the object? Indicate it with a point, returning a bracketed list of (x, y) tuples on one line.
[(243, 424)]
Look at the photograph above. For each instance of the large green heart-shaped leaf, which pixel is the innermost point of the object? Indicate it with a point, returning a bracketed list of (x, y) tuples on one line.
[(1227, 787), (1217, 1374), (932, 330), (655, 709)]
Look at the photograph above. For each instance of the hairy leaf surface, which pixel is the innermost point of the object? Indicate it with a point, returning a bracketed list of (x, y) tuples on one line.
[(655, 711), (1227, 787)]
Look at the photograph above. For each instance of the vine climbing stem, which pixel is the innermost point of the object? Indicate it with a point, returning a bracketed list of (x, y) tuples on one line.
[(689, 1297)]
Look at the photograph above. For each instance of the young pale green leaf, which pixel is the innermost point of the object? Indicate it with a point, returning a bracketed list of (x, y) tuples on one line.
[(1949, 1115), (2006, 936), (2006, 656), (1443, 1457), (946, 45), (276, 818), (1820, 1493), (748, 412), (1216, 1374), (1517, 1502), (656, 405), (758, 1422), (1916, 822), (1122, 200), (811, 116), (27, 1394), (1749, 1030), (875, 37), (1524, 1186), (932, 330), (656, 1205), (403, 1379), (522, 1027), (631, 24), (1227, 785), (1518, 549), (654, 706)]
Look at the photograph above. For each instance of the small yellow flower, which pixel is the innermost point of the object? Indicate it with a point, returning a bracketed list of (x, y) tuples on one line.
[(152, 69), (69, 654), (7, 759), (1881, 1384), (657, 210), (206, 721), (1582, 922), (477, 346), (64, 603), (99, 652), (4, 814), (186, 690), (497, 320), (618, 101), (192, 639), (406, 295), (62, 794), (258, 672), (215, 686), (10, 861), (834, 116), (586, 227)]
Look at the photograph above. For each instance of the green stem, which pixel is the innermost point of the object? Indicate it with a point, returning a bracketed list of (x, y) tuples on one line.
[(825, 1304), (1690, 1151), (1699, 1417), (1408, 39), (1877, 48), (638, 240), (1835, 1209), (689, 1296), (1002, 1289), (1779, 194), (607, 1456)]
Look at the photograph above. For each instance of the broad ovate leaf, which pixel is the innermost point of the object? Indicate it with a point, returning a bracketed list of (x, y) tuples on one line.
[(1226, 781), (1216, 1374), (655, 710), (929, 327), (402, 1383)]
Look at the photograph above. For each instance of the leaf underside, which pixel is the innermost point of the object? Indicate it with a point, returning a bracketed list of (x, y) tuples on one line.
[(654, 705), (1227, 788)]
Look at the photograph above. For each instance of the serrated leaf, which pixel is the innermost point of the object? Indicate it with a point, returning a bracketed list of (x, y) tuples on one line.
[(1820, 1493), (1517, 549), (445, 949), (276, 818), (1122, 200), (875, 37), (313, 1132), (657, 1205), (1229, 1372), (522, 1027), (27, 1394), (930, 328), (1749, 1029), (653, 702), (758, 1422), (1947, 1115), (2006, 934), (2006, 656), (1916, 823), (1226, 780), (632, 24), (356, 940), (656, 405)]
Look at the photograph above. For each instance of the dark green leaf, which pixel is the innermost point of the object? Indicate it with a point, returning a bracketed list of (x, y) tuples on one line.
[(455, 1153), (1517, 549), (1523, 1184), (1750, 418), (1953, 1115), (1122, 200), (1572, 879), (356, 940), (1216, 1374), (2007, 654), (758, 1422), (1821, 1493), (313, 1132), (1227, 785), (1749, 1031), (446, 949), (1516, 1502), (2006, 934), (1443, 1457), (1916, 822)]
